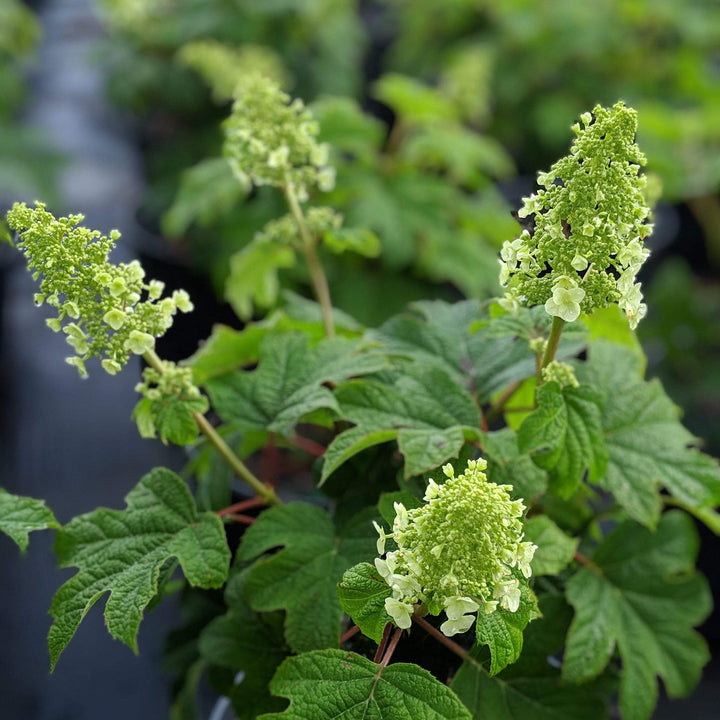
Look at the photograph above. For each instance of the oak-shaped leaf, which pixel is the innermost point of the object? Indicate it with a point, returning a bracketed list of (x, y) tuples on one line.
[(289, 381), (327, 684), (122, 552), (647, 446), (19, 516), (532, 687), (426, 410), (642, 595), (565, 436), (302, 577)]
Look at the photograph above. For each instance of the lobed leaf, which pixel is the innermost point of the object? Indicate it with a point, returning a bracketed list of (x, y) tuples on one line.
[(532, 687), (328, 684), (425, 409), (643, 596), (288, 382), (647, 446), (302, 577), (123, 551)]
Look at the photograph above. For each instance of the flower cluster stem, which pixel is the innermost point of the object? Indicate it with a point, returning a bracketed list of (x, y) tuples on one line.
[(553, 341), (238, 466), (317, 273)]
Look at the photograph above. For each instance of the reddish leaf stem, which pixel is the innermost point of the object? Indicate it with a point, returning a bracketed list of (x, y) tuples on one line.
[(240, 506), (383, 643), (354, 630), (391, 647)]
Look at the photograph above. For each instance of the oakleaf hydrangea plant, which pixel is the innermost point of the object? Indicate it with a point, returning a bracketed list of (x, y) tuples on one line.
[(553, 555)]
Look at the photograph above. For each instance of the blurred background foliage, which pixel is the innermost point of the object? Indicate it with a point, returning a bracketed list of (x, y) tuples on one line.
[(27, 164), (440, 113)]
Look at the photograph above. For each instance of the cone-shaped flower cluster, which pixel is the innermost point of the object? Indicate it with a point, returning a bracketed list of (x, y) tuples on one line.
[(271, 139), (458, 553), (585, 246), (100, 306)]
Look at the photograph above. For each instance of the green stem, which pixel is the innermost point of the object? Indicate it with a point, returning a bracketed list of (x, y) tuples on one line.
[(317, 273), (238, 466), (553, 341)]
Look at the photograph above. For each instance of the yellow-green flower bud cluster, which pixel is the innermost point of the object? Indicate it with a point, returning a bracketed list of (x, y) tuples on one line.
[(271, 139), (100, 306), (457, 553), (285, 230), (174, 382), (561, 373), (589, 221)]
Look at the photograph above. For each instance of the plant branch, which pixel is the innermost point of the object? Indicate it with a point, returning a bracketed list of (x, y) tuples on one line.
[(308, 445), (244, 519), (383, 643), (317, 273), (447, 642), (240, 506), (238, 466), (497, 409)]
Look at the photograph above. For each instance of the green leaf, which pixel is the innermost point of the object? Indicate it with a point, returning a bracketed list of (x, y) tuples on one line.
[(123, 551), (502, 631), (642, 595), (555, 549), (226, 350), (565, 436), (362, 594), (173, 418), (357, 240), (19, 516), (328, 684), (253, 276), (207, 191), (484, 361), (288, 383), (647, 446), (247, 641), (386, 504), (610, 324), (428, 412), (508, 466), (532, 687), (302, 578), (350, 443)]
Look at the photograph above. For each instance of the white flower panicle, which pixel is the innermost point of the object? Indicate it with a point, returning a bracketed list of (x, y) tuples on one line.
[(100, 305), (585, 245), (271, 139), (459, 553)]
